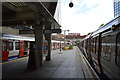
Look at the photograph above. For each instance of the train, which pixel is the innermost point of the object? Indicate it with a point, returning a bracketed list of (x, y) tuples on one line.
[(13, 46), (102, 49), (57, 44)]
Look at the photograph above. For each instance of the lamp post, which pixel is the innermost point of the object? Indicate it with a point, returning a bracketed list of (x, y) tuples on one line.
[(61, 38), (60, 46)]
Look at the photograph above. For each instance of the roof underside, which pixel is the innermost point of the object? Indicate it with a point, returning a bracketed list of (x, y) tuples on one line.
[(28, 14)]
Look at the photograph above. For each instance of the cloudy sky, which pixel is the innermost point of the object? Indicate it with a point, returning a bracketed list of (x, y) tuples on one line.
[(85, 16)]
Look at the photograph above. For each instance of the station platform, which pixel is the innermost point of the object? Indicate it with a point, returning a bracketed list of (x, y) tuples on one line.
[(67, 65)]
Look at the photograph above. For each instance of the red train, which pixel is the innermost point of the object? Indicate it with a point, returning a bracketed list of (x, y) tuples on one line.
[(17, 46), (57, 44)]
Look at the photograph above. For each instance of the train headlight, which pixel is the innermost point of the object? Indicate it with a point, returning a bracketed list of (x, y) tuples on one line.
[(113, 27)]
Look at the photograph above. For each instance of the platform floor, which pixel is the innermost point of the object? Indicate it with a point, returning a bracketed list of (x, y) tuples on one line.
[(68, 65)]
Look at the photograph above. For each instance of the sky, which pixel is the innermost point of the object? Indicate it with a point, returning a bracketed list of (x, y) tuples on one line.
[(85, 16)]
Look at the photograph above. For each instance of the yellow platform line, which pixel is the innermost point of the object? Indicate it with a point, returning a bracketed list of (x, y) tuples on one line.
[(88, 69), (13, 60), (89, 72)]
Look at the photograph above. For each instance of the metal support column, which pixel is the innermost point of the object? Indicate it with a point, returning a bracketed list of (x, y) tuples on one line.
[(36, 49), (48, 38), (39, 45), (31, 60)]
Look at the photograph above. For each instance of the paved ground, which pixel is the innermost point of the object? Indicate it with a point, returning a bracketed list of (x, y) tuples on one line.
[(68, 65)]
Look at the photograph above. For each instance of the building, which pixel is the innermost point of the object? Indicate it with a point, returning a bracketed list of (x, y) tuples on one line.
[(116, 8)]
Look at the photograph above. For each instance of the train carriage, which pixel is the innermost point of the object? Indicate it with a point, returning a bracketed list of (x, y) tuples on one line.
[(57, 44), (103, 49), (14, 46), (18, 46)]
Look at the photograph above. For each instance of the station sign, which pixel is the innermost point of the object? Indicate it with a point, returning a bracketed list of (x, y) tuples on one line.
[(74, 34), (53, 31), (44, 31)]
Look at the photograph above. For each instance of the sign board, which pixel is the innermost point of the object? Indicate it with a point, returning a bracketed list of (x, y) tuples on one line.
[(45, 31), (74, 34), (53, 31), (26, 31)]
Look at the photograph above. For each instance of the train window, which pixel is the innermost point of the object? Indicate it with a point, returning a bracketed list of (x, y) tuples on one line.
[(4, 46), (10, 46), (16, 45), (96, 45), (21, 45), (106, 47), (87, 46), (118, 49), (92, 48), (84, 46)]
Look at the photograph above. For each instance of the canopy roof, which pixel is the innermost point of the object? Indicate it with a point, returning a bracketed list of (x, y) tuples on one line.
[(27, 14)]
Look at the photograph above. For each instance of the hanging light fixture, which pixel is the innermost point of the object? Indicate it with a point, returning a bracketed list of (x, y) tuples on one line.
[(71, 4)]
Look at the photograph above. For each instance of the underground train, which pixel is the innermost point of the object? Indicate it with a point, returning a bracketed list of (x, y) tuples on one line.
[(102, 49), (17, 46), (57, 44)]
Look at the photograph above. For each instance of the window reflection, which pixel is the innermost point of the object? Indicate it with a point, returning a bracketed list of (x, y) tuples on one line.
[(4, 46), (10, 46), (106, 47)]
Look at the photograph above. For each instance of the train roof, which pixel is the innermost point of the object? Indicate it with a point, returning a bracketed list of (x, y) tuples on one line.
[(7, 36), (57, 41), (115, 21), (87, 36)]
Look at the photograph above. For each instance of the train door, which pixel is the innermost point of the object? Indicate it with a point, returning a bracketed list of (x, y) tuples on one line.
[(5, 51), (95, 53), (0, 50), (88, 50), (13, 51), (21, 50), (118, 55), (118, 50), (26, 47), (107, 58)]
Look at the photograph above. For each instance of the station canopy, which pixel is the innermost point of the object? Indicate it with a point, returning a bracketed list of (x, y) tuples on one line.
[(26, 15)]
